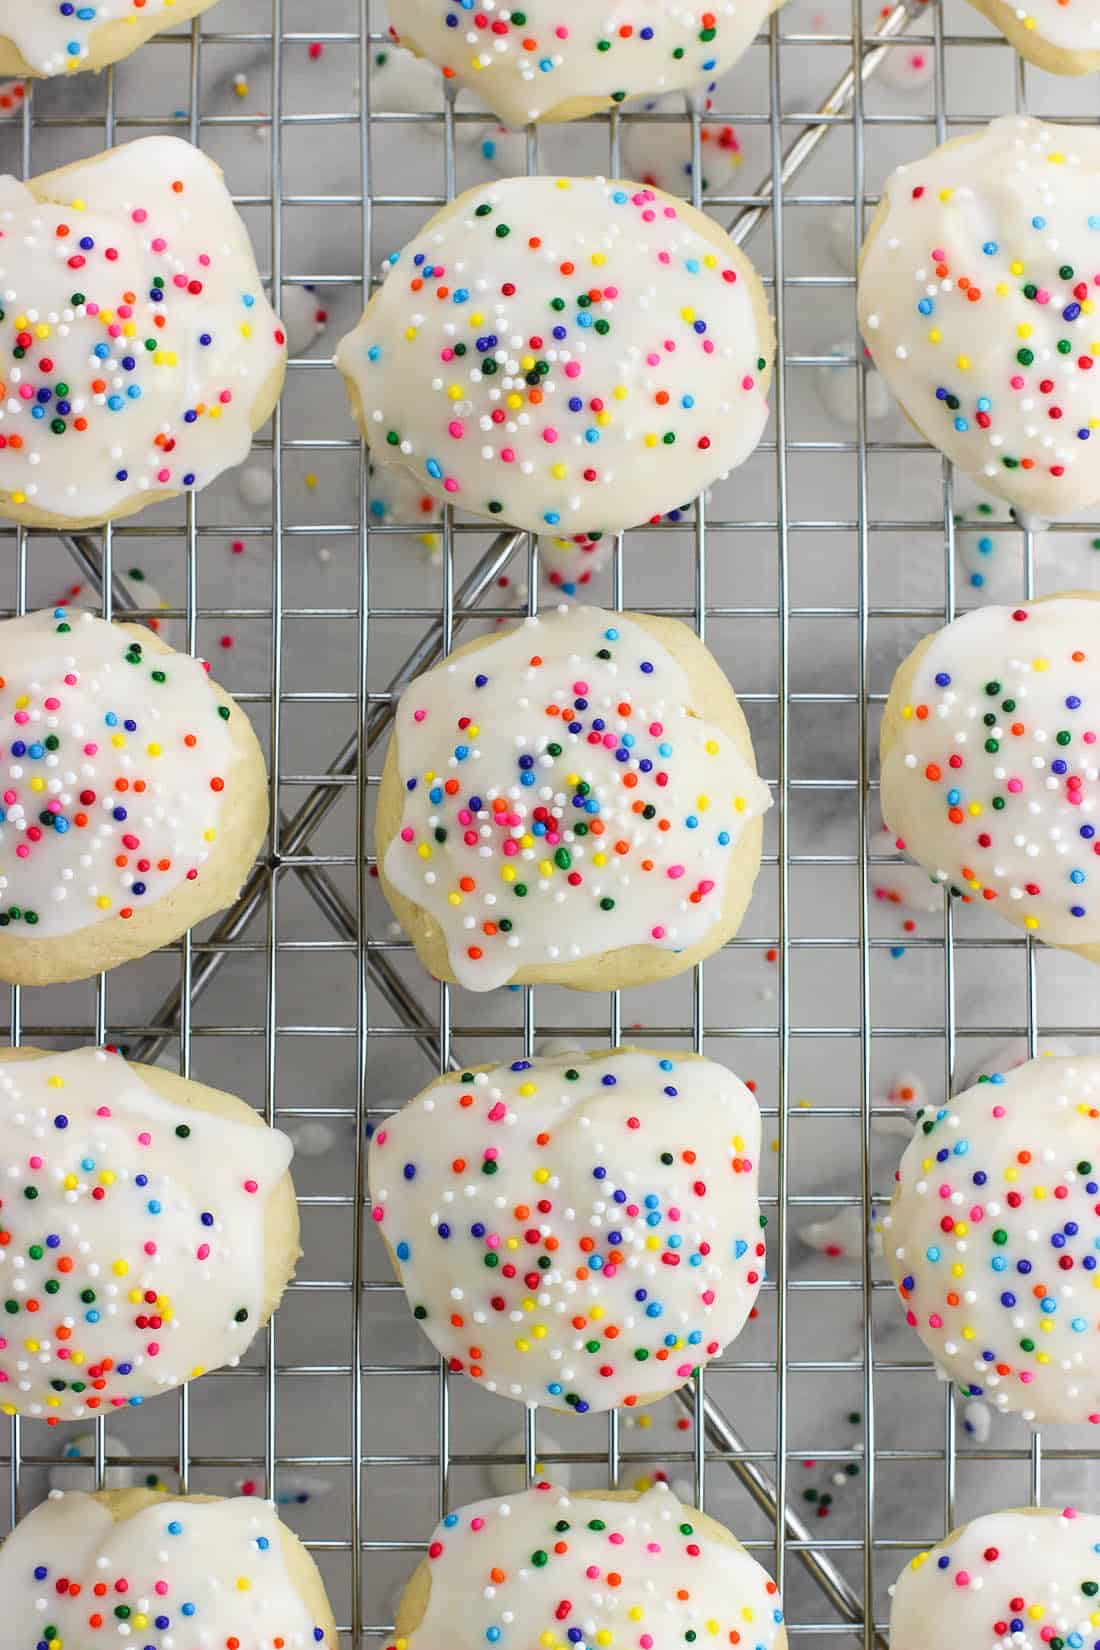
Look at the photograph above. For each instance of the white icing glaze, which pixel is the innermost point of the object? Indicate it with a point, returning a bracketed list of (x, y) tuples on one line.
[(1019, 1578), (1002, 215), (901, 883), (213, 1571), (993, 1233), (566, 1262), (992, 781), (51, 42), (136, 810), (522, 397), (569, 564), (1072, 25), (480, 725), (133, 370), (564, 49), (644, 1572), (133, 1252)]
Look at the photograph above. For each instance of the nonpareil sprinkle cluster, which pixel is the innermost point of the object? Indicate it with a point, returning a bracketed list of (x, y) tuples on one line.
[(581, 1237), (114, 766), (55, 36), (994, 1238), (564, 354), (546, 1568), (174, 1574), (992, 781), (129, 1261)]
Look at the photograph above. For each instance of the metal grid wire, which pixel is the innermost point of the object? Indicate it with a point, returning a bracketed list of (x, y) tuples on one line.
[(846, 1575)]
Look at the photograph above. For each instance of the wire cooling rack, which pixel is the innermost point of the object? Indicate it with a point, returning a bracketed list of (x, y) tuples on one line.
[(809, 574)]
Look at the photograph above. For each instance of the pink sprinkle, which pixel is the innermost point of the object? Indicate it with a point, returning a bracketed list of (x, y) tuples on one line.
[(1015, 786), (70, 679), (493, 1241), (592, 1572), (492, 1153), (21, 717), (675, 872), (381, 1137), (149, 1248), (507, 455), (144, 1138), (179, 280), (653, 1546), (315, 50), (998, 1111), (203, 1251), (939, 254), (646, 1641), (1017, 381), (561, 32), (376, 1214), (477, 1523), (163, 475), (510, 847), (26, 392), (419, 715), (653, 359), (663, 258), (1089, 738), (657, 933), (406, 833), (450, 485), (615, 1539), (1042, 296), (251, 1186), (139, 215), (747, 382), (35, 1162), (103, 1111), (456, 429), (52, 703), (708, 1297), (497, 1112), (225, 396), (1069, 1512), (935, 1321), (160, 1588), (945, 1191), (204, 259), (159, 244), (572, 369), (1026, 1375), (22, 852), (962, 1578), (550, 435), (91, 749)]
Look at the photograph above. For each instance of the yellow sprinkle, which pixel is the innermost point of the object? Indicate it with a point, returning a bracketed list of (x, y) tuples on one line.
[(974, 808), (558, 471), (711, 747), (103, 903), (599, 258), (243, 1584), (1031, 922), (935, 335), (424, 851), (454, 898), (563, 183), (154, 750), (650, 439), (946, 194), (1024, 330), (120, 1268), (963, 362), (1015, 267), (1040, 664), (311, 482), (55, 1083), (541, 1176)]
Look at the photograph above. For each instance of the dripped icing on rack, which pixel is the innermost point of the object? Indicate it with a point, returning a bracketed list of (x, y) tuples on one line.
[(576, 1236), (132, 1254), (562, 798), (548, 1568), (566, 354), (993, 1233), (116, 765), (976, 299), (135, 336), (176, 1573), (992, 781)]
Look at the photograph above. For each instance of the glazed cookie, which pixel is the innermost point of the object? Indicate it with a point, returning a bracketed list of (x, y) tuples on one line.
[(226, 1570), (547, 1567), (151, 1229), (992, 1236), (974, 300), (1061, 36), (134, 795), (43, 37), (1028, 1577), (990, 767), (562, 60), (140, 351), (577, 1234), (572, 802), (566, 354)]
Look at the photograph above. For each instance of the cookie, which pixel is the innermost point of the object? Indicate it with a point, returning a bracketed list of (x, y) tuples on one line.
[(40, 38), (1061, 36), (560, 60), (992, 1238), (566, 355), (974, 300), (133, 800), (571, 802), (163, 1567), (150, 1230), (989, 763), (1027, 1577), (591, 1567), (141, 351), (581, 1233)]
